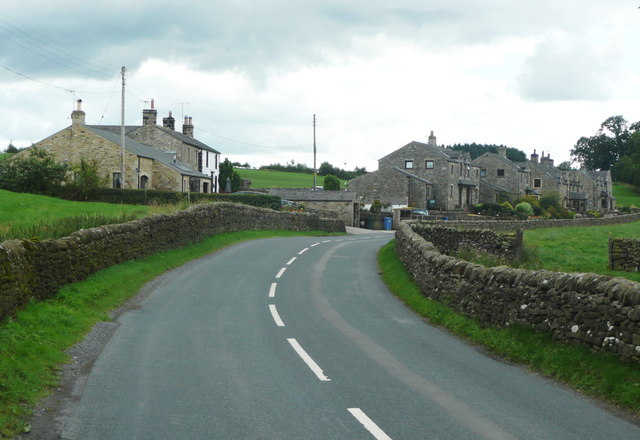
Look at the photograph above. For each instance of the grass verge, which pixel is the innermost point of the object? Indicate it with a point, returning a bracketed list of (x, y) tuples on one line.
[(598, 375), (33, 343)]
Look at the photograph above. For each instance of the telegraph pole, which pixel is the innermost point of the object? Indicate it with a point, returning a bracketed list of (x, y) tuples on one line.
[(314, 152), (122, 141)]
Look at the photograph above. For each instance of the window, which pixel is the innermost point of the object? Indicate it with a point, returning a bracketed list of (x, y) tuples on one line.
[(451, 190), (537, 183), (144, 182), (452, 169), (483, 173), (408, 164), (428, 164), (501, 172), (117, 180)]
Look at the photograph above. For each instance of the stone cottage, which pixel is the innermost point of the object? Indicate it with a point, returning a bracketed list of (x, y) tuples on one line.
[(144, 166), (501, 178), (422, 176)]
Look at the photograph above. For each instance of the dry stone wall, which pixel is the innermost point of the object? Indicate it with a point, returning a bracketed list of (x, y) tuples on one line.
[(37, 270), (624, 254), (600, 311), (450, 240), (512, 225)]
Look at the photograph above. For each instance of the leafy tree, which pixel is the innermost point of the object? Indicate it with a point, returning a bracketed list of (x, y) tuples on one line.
[(607, 146), (331, 182), (11, 149), (227, 172), (477, 150), (87, 176), (627, 169), (35, 173), (376, 207), (565, 166)]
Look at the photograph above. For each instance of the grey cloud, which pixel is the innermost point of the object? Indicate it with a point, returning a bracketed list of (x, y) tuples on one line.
[(561, 72), (250, 36)]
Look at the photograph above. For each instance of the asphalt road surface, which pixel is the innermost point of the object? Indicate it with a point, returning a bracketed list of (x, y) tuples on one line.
[(298, 338)]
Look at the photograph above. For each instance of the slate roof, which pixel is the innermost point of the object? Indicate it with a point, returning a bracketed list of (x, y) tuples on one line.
[(494, 187), (422, 179), (176, 134), (309, 195), (148, 152)]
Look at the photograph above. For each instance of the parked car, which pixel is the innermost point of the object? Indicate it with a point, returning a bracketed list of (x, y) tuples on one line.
[(417, 211)]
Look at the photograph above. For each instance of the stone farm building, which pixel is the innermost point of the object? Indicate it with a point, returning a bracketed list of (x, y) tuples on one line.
[(156, 157)]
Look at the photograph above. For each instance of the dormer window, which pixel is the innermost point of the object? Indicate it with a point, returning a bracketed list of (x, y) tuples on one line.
[(408, 164)]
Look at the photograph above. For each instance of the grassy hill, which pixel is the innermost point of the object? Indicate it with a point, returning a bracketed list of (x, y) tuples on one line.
[(281, 179), (626, 195), (25, 215)]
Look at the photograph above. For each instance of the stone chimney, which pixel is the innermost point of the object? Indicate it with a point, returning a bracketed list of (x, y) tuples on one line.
[(546, 160), (502, 151), (534, 156), (150, 115), (432, 139), (187, 127), (169, 122), (77, 116)]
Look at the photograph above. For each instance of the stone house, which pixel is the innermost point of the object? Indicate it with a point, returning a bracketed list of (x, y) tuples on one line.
[(595, 191), (182, 145), (501, 178), (144, 165), (422, 176), (341, 205)]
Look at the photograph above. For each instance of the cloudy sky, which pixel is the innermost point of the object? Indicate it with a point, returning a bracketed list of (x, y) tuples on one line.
[(377, 73)]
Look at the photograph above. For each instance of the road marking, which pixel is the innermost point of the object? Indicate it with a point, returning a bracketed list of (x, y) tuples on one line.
[(327, 241), (291, 261), (272, 290), (368, 424), (303, 251), (281, 272), (315, 244), (307, 360), (275, 315)]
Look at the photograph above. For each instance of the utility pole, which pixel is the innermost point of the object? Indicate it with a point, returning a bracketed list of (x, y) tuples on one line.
[(122, 141), (314, 152)]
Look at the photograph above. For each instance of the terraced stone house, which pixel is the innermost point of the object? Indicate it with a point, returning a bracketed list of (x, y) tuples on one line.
[(154, 157), (422, 176)]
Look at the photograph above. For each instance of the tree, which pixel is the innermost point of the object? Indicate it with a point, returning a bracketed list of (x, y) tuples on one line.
[(477, 150), (11, 149), (607, 146), (87, 176), (227, 172), (35, 173), (565, 166), (331, 182)]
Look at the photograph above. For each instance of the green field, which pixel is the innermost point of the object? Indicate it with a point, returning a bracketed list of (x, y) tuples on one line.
[(626, 195), (25, 215), (281, 179)]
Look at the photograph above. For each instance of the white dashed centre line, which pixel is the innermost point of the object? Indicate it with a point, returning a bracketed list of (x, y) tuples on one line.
[(327, 241), (275, 315), (307, 360), (368, 424), (281, 272), (315, 244), (272, 290), (303, 251), (291, 261)]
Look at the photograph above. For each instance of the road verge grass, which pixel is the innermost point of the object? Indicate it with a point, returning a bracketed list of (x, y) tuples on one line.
[(599, 375), (33, 343)]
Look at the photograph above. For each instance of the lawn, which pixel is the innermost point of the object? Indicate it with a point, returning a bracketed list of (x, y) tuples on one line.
[(25, 215), (578, 249), (626, 195), (281, 179)]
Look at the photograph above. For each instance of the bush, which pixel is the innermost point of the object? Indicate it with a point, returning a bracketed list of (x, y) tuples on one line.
[(535, 204), (551, 200), (331, 182), (34, 172), (523, 210), (376, 207)]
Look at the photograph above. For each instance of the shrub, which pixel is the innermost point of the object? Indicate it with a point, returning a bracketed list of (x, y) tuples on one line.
[(331, 182), (550, 200), (33, 172), (535, 204), (523, 210), (376, 207), (506, 208)]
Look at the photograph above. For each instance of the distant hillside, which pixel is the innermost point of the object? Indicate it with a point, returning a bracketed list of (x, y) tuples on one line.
[(280, 179)]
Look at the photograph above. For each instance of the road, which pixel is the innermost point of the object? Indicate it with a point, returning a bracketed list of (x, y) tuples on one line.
[(298, 338)]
